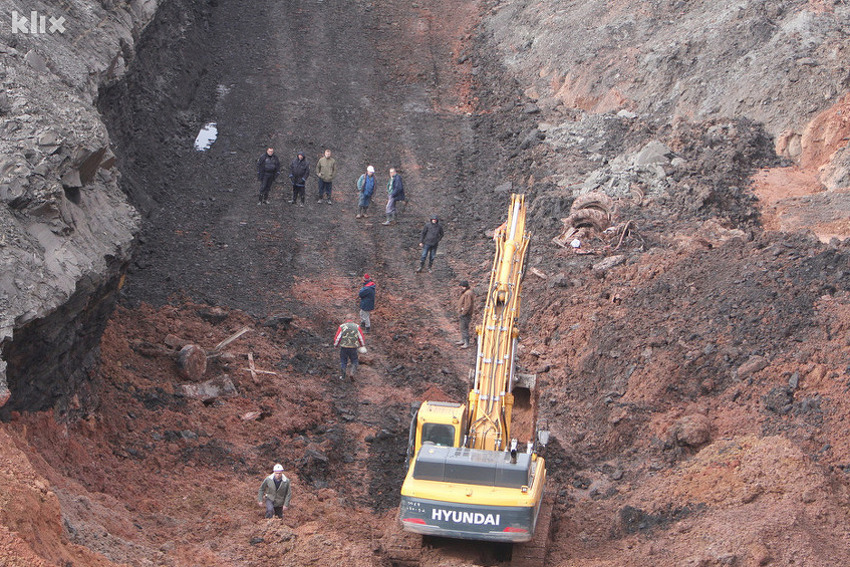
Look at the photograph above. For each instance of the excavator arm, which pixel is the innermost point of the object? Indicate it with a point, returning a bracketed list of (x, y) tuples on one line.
[(490, 400)]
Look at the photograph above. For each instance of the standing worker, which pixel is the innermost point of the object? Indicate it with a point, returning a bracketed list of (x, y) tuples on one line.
[(431, 235), (275, 493), (464, 310), (367, 302), (268, 168), (299, 171), (325, 171), (349, 338), (395, 194), (365, 188)]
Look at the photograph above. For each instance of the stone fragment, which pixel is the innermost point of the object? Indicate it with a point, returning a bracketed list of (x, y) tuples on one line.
[(653, 153), (174, 341), (192, 361), (218, 387), (692, 430), (36, 61), (608, 263), (753, 365)]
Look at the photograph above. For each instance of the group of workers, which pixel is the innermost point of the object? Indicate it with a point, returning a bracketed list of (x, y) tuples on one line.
[(275, 491), (269, 168)]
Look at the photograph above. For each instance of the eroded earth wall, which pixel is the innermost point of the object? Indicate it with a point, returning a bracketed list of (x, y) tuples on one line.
[(66, 228)]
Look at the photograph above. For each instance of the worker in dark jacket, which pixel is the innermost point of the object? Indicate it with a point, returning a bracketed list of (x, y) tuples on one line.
[(367, 302), (268, 168), (395, 195), (275, 493), (431, 235), (299, 171)]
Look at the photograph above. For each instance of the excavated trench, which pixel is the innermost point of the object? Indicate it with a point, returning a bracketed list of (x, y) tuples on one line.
[(377, 83), (709, 352)]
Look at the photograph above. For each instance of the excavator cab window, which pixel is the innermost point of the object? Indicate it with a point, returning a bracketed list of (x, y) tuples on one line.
[(438, 434)]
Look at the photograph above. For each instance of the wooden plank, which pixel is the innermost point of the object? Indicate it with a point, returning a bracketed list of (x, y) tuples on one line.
[(258, 371), (228, 340), (252, 369), (539, 274)]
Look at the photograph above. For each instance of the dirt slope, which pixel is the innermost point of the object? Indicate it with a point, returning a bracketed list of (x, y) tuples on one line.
[(694, 369)]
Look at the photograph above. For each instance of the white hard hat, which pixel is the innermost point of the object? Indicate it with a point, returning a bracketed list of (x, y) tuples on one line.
[(278, 468), (370, 169)]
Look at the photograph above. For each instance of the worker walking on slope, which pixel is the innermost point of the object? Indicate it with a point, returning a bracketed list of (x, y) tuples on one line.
[(465, 304), (431, 235), (275, 493), (367, 302), (395, 195), (349, 338), (365, 188)]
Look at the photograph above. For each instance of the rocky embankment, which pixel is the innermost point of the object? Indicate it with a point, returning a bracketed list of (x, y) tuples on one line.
[(66, 228), (604, 79)]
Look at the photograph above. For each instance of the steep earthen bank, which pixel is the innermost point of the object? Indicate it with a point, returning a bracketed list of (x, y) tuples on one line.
[(67, 228)]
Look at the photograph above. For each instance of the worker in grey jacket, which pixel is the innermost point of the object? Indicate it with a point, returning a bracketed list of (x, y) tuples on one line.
[(275, 493)]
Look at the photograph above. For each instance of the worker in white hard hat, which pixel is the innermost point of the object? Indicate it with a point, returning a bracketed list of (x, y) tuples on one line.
[(275, 493), (365, 189)]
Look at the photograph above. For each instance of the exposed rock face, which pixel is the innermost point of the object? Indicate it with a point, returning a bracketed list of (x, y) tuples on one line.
[(66, 228), (773, 62)]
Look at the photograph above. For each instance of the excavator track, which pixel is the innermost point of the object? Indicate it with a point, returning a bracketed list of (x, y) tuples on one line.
[(401, 548), (533, 553)]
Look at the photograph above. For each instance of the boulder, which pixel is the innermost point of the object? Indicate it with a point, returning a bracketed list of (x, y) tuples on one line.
[(192, 361), (692, 430)]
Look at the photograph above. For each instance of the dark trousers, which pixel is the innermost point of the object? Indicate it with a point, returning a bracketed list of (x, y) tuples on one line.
[(272, 510), (298, 191), (347, 354), (428, 250), (325, 187), (266, 185), (464, 328)]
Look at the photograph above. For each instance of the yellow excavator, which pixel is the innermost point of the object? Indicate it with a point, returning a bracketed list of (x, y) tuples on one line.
[(475, 470)]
